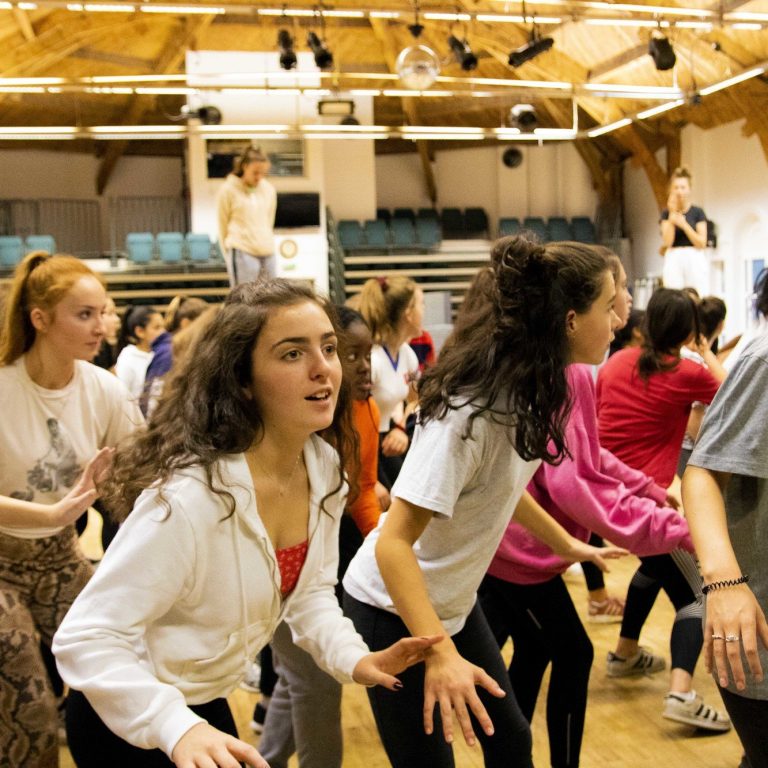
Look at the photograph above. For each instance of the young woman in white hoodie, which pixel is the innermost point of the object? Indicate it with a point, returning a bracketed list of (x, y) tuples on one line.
[(236, 503)]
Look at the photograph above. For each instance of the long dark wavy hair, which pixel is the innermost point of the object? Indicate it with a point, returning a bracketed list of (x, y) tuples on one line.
[(509, 350), (204, 413), (670, 318)]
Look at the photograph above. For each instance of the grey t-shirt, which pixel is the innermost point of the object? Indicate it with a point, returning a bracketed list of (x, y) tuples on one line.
[(734, 439), (472, 485)]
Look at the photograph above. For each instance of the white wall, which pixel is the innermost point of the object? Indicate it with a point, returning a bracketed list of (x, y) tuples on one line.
[(44, 174), (729, 181), (552, 180)]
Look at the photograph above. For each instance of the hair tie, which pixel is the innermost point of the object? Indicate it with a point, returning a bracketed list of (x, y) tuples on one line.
[(383, 283)]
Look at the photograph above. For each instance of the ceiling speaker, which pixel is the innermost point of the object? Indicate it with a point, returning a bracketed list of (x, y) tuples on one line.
[(512, 157)]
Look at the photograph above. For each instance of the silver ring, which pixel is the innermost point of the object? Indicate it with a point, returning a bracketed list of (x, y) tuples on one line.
[(718, 637), (732, 638)]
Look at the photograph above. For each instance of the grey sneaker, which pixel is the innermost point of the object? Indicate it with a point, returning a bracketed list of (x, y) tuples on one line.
[(642, 663), (695, 712)]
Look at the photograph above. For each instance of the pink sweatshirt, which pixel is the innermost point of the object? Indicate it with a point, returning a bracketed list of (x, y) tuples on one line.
[(591, 491)]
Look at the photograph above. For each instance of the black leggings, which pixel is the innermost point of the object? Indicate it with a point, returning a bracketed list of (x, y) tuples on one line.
[(93, 745), (545, 628), (399, 715), (750, 719), (677, 575), (593, 576)]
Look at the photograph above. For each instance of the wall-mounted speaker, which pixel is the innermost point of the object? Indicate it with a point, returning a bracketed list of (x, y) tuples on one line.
[(512, 157)]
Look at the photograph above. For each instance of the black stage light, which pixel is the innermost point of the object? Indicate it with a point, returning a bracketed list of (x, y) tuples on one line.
[(463, 53), (323, 57), (662, 53), (287, 54), (523, 117), (530, 50), (207, 115)]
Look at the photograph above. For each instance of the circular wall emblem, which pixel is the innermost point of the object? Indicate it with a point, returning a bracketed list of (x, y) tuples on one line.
[(288, 249)]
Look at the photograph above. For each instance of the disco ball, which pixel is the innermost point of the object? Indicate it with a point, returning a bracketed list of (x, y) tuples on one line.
[(418, 67)]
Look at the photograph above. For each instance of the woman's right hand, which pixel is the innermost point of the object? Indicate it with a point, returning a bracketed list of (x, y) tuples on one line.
[(83, 493), (734, 612), (204, 746), (395, 443), (450, 682)]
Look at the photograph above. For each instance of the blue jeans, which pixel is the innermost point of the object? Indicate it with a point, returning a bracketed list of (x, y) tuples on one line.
[(399, 716)]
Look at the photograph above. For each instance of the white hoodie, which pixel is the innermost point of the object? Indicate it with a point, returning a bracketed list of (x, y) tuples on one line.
[(182, 603), (246, 216)]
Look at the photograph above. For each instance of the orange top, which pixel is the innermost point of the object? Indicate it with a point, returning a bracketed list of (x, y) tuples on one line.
[(364, 508)]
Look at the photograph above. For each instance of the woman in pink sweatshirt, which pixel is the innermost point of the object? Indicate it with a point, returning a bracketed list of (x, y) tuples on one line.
[(524, 595)]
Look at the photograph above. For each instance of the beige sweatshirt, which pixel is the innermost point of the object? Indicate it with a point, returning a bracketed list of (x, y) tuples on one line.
[(246, 216)]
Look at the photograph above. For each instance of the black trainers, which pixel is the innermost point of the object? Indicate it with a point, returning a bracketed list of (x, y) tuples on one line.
[(259, 716)]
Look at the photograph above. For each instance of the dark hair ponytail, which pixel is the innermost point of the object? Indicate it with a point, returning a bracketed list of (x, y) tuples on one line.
[(134, 317), (509, 349), (670, 318)]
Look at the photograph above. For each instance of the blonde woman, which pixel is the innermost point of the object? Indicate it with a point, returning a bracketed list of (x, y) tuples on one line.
[(684, 238)]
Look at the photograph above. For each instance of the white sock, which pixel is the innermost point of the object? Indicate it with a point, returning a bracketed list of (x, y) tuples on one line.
[(685, 696)]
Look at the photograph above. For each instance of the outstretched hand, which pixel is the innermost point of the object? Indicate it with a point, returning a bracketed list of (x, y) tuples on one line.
[(83, 493), (582, 552), (380, 667), (204, 746), (451, 682)]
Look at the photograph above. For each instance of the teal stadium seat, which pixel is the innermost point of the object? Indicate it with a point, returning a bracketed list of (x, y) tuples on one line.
[(198, 247), (350, 234), (427, 232), (140, 246), (536, 226), (403, 234), (559, 229), (508, 226), (171, 246), (476, 220), (583, 229), (40, 243), (377, 233), (453, 223), (11, 250)]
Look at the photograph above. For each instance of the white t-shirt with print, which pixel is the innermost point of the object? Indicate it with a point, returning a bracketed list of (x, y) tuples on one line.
[(48, 435), (473, 486), (131, 368), (391, 381)]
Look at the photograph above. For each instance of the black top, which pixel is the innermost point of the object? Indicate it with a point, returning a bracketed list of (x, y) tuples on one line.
[(693, 216), (107, 355)]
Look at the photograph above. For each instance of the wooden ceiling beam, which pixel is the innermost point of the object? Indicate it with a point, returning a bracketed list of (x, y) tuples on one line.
[(24, 24), (168, 62), (644, 156)]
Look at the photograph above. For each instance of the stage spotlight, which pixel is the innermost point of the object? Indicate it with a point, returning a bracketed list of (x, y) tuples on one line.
[(287, 54), (662, 53), (206, 114), (463, 53), (323, 57), (530, 50), (523, 117)]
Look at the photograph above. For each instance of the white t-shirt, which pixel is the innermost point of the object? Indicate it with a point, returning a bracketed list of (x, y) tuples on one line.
[(131, 368), (391, 381), (473, 486), (48, 435)]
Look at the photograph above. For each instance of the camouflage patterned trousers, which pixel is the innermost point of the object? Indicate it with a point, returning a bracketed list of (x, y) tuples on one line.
[(39, 580)]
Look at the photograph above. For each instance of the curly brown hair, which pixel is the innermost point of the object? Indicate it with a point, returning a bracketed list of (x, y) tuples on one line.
[(204, 412), (509, 350)]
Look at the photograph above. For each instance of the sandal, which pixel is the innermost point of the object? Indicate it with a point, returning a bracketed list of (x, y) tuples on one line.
[(608, 611)]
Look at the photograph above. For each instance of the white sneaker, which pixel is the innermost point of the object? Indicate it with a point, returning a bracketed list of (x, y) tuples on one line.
[(695, 712), (252, 677), (642, 663)]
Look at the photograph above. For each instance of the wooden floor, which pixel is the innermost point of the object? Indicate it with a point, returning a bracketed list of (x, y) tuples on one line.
[(624, 725)]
